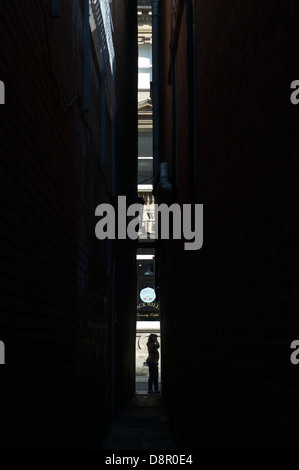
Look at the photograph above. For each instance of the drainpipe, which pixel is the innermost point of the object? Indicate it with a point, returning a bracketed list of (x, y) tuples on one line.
[(155, 90), (174, 157), (191, 96), (86, 59), (103, 110), (55, 8), (164, 181), (113, 175), (159, 168)]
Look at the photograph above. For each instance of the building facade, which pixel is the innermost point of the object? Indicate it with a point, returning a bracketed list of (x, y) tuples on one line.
[(148, 313)]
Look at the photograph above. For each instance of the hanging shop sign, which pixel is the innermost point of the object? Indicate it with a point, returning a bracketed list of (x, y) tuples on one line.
[(148, 312), (154, 306), (148, 295), (148, 316)]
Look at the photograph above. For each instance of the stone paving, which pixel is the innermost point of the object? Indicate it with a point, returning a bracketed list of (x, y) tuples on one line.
[(143, 425)]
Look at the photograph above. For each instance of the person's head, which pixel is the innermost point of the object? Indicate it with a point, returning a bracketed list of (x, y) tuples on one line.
[(152, 338)]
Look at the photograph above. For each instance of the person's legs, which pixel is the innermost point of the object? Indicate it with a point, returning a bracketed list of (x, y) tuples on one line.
[(156, 377), (151, 376)]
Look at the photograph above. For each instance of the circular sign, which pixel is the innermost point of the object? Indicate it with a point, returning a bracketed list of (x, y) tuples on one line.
[(148, 295)]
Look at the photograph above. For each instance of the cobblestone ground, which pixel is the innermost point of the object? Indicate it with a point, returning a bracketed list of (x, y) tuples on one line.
[(143, 425)]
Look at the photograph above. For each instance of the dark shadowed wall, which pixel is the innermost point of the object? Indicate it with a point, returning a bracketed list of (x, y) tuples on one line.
[(58, 285), (230, 311)]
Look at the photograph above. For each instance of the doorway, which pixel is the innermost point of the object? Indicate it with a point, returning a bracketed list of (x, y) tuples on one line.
[(148, 315)]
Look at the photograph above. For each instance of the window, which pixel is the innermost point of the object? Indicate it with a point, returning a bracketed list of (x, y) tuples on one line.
[(145, 56), (144, 67), (145, 171), (145, 144)]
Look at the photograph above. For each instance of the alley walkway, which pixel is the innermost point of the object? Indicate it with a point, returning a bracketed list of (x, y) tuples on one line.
[(143, 425)]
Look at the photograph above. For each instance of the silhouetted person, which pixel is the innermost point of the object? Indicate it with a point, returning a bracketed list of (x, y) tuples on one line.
[(152, 362)]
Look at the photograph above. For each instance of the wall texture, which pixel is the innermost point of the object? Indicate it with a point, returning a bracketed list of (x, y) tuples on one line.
[(125, 42), (230, 311), (57, 310)]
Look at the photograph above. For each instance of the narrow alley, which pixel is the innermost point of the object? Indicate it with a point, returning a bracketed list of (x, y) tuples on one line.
[(143, 425), (149, 225)]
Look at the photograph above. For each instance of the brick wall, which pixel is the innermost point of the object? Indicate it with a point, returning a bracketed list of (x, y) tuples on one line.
[(227, 330), (126, 184), (55, 303)]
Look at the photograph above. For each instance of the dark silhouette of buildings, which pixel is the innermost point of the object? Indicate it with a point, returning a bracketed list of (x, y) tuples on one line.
[(68, 144), (224, 124), (229, 134)]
